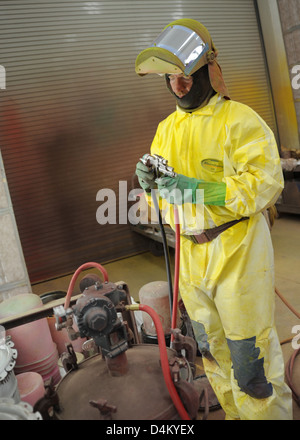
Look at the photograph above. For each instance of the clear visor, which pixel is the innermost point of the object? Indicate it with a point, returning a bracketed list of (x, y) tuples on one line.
[(184, 43)]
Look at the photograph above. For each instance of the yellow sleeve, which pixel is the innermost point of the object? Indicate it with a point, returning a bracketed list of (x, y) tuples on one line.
[(257, 178)]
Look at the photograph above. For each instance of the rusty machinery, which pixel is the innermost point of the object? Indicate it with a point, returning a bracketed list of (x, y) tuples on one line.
[(124, 379)]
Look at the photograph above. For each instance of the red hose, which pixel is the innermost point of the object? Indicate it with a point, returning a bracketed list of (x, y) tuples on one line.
[(75, 276), (160, 337), (289, 373), (287, 303), (165, 362), (176, 271)]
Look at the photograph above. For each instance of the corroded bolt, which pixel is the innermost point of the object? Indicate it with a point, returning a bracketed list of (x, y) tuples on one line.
[(96, 318)]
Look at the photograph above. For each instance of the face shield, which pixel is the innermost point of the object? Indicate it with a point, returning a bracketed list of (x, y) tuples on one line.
[(184, 46), (177, 49)]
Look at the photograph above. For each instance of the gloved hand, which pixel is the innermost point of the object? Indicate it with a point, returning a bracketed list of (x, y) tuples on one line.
[(214, 192), (146, 177), (172, 188)]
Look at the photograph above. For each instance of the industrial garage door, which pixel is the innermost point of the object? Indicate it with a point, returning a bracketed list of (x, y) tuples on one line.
[(75, 117)]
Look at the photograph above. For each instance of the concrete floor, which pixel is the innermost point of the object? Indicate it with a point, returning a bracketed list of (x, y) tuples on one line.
[(286, 243), (144, 268)]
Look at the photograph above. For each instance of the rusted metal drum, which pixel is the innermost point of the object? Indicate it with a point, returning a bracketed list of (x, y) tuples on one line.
[(140, 394)]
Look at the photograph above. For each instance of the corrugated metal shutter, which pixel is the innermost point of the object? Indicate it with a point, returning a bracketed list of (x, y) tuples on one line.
[(75, 117)]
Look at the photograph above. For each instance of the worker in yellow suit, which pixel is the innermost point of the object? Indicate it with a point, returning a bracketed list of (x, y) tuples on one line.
[(224, 149)]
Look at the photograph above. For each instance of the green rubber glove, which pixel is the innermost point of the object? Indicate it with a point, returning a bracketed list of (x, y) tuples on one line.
[(214, 192), (145, 176)]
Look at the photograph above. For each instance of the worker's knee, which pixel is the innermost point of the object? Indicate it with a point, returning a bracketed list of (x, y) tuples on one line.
[(248, 369)]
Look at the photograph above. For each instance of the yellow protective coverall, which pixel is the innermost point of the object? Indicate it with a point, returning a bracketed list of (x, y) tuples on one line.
[(227, 285)]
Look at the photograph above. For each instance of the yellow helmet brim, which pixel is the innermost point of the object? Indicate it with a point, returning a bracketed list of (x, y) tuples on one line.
[(157, 60), (177, 49)]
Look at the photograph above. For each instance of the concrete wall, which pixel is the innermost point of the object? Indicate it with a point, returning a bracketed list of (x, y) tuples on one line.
[(13, 273)]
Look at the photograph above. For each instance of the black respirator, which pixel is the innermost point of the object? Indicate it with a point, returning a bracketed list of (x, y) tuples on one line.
[(201, 90)]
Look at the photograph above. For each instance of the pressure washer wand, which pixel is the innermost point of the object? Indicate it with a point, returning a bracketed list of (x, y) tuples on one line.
[(166, 252)]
